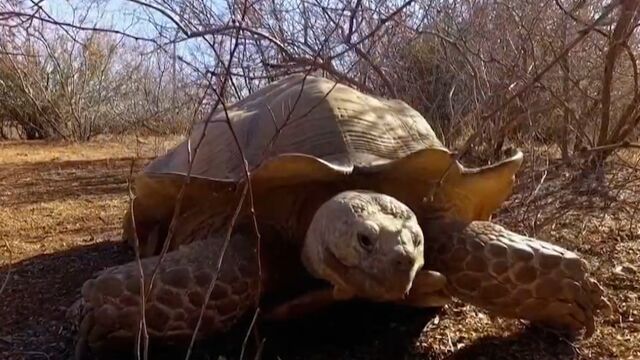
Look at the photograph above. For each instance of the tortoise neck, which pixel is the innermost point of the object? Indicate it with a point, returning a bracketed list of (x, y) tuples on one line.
[(442, 234), (292, 208)]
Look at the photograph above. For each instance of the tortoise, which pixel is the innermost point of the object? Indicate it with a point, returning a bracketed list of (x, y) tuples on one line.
[(351, 190)]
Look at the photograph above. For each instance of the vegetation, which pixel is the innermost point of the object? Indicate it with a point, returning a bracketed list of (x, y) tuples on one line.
[(551, 72), (557, 78)]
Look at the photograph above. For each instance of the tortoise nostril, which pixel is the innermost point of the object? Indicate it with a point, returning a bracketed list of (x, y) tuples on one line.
[(404, 262)]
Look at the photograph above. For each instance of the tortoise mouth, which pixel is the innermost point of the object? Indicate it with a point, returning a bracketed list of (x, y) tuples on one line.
[(365, 284)]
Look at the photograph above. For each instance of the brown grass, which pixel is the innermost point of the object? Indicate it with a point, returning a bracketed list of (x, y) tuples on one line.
[(61, 212)]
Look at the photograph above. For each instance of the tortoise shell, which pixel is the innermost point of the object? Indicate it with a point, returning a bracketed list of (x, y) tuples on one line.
[(305, 130)]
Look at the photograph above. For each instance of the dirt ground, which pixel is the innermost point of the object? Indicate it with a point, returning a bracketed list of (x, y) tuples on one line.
[(60, 213)]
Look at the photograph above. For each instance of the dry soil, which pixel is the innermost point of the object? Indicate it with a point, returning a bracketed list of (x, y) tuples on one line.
[(60, 212)]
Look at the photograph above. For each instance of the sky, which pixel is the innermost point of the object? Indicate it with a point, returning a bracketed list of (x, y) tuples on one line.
[(119, 14)]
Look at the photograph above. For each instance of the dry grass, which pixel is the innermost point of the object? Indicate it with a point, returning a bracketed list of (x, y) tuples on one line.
[(61, 211), (56, 196)]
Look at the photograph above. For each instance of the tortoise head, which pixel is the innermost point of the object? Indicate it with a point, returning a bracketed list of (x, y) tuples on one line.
[(365, 244)]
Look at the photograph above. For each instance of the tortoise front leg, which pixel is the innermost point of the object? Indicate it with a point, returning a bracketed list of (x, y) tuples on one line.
[(513, 275), (110, 306), (302, 305), (429, 289)]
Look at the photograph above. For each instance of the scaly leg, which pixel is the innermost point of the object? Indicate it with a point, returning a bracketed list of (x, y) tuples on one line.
[(513, 275), (110, 305), (302, 305), (428, 290)]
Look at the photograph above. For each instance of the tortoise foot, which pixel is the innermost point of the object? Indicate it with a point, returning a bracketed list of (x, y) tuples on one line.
[(428, 290)]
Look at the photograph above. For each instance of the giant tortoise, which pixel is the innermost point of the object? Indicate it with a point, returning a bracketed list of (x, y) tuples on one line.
[(351, 189)]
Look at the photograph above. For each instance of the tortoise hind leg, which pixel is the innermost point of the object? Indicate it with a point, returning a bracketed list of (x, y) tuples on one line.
[(513, 275), (111, 302)]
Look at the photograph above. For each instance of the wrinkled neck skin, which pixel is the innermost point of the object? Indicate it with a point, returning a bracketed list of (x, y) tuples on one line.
[(315, 259), (441, 233), (292, 208)]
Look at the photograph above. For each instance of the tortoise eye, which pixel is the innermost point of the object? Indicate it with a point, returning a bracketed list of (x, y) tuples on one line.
[(365, 241)]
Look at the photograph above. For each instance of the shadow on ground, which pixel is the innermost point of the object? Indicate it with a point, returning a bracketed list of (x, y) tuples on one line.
[(39, 290), (531, 343), (33, 324), (33, 304)]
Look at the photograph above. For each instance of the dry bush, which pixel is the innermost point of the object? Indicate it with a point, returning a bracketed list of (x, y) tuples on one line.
[(478, 56), (75, 85), (526, 73)]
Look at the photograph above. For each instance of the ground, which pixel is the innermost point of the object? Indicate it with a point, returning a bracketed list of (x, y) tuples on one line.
[(61, 214)]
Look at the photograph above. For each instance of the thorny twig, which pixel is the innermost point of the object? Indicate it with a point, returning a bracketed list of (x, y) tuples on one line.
[(248, 189), (288, 120), (10, 267), (216, 272), (145, 291), (251, 326), (179, 199), (142, 337)]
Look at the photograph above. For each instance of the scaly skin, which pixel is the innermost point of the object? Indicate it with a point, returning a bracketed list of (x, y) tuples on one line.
[(512, 275), (110, 302), (428, 290), (486, 265), (362, 243)]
